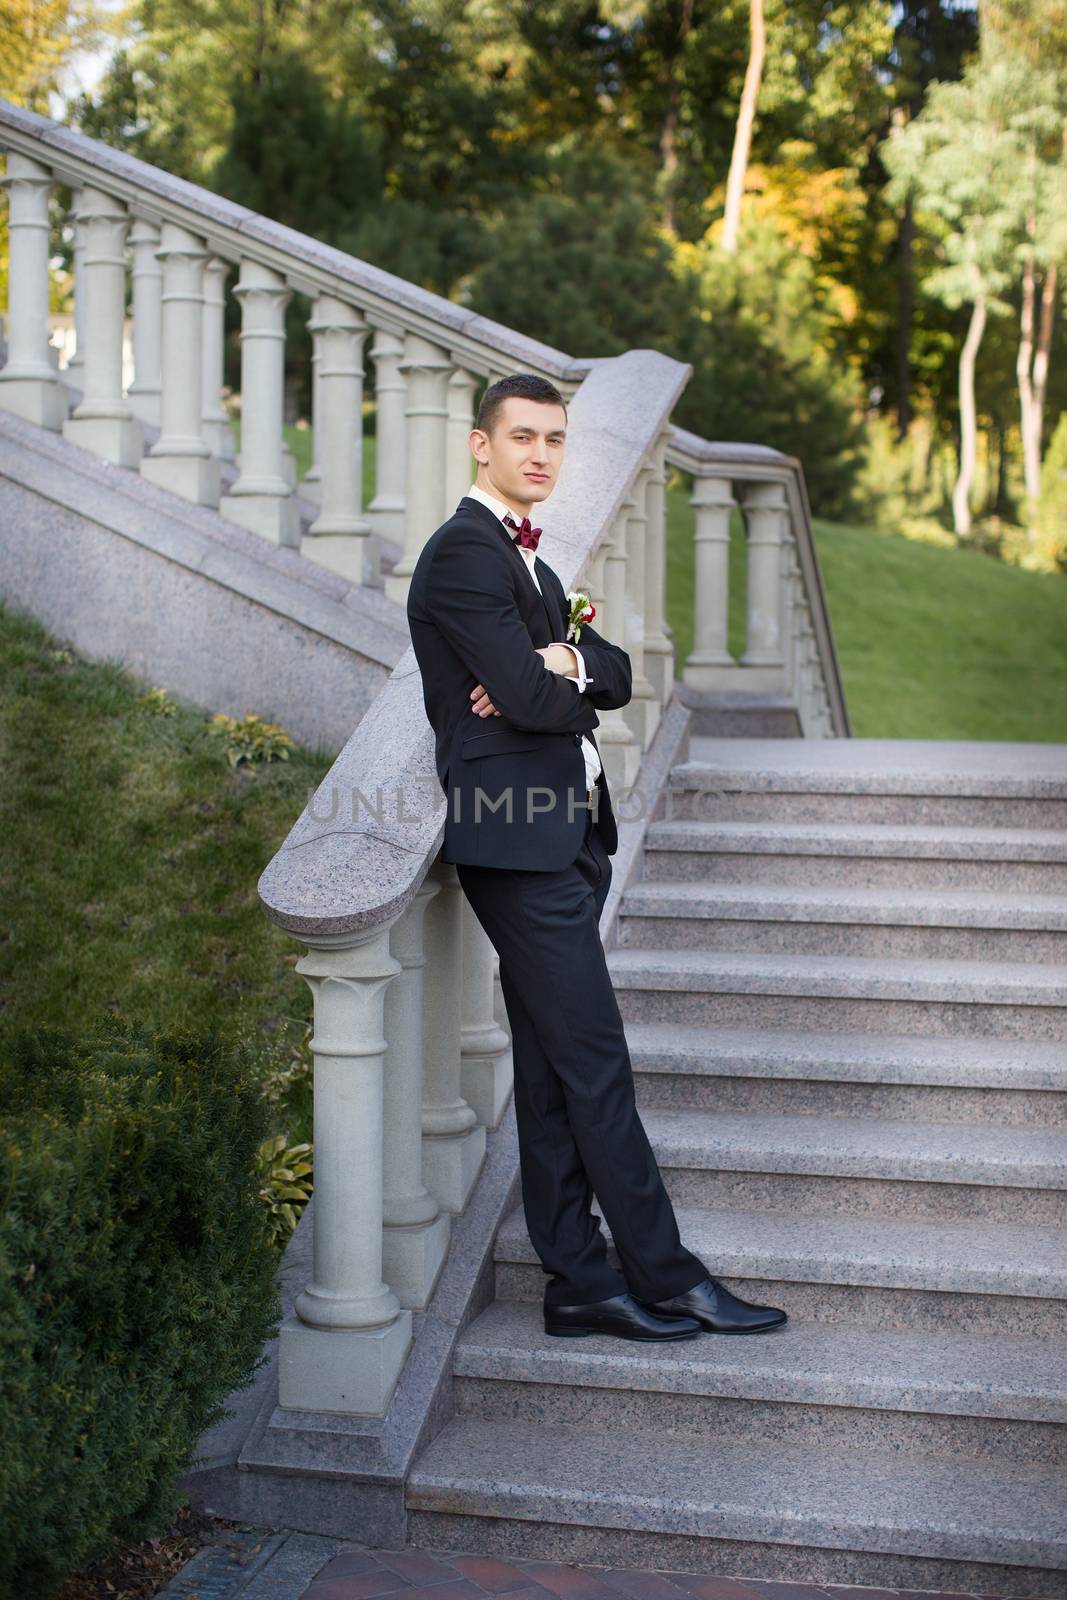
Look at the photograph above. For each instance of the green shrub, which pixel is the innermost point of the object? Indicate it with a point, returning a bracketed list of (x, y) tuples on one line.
[(136, 1281)]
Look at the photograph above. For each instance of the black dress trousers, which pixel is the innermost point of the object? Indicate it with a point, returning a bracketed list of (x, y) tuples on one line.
[(578, 1124)]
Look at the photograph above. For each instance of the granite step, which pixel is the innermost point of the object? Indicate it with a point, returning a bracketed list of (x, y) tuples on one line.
[(941, 924), (944, 999), (969, 783), (572, 1493), (997, 1398), (876, 1271), (1006, 1082), (860, 1165), (852, 855)]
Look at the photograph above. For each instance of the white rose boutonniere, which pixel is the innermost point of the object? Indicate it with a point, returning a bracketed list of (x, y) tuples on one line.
[(582, 610)]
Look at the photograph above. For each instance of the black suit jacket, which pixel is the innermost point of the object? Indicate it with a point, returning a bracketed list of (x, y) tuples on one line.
[(515, 784)]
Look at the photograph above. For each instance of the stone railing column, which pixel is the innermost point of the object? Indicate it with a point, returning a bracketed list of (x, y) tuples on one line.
[(214, 421), (453, 1143), (311, 483), (74, 370), (102, 421), (343, 1347), (29, 383), (180, 460), (710, 664), (642, 714), (659, 646), (485, 1050), (426, 367), (766, 513), (460, 462), (144, 392), (386, 510), (417, 1231), (606, 587), (338, 536), (262, 498)]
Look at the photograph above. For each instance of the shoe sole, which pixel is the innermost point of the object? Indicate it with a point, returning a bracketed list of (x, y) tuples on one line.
[(615, 1333)]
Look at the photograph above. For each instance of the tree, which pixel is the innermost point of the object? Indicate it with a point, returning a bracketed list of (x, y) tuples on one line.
[(746, 116), (957, 159)]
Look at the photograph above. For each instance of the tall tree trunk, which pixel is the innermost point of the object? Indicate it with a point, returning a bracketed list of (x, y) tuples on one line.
[(1024, 357), (668, 139), (905, 317), (961, 494), (746, 116)]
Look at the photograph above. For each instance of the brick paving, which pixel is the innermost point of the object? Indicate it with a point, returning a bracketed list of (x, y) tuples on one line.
[(359, 1573)]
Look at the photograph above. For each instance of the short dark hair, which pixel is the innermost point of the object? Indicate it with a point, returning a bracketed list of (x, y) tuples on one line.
[(521, 386)]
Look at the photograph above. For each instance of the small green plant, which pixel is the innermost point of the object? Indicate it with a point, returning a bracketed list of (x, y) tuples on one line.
[(251, 741), (64, 657), (158, 703), (284, 1171)]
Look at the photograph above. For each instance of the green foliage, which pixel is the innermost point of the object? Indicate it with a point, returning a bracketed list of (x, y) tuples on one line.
[(136, 1280), (296, 155), (249, 741), (591, 279), (769, 365), (284, 1172), (1052, 509)]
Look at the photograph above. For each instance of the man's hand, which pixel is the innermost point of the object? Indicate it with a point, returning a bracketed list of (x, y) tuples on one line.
[(558, 658), (482, 703)]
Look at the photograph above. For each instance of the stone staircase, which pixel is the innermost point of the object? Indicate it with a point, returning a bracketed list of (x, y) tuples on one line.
[(842, 976)]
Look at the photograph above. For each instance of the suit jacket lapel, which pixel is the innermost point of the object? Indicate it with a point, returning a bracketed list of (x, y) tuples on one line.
[(552, 609)]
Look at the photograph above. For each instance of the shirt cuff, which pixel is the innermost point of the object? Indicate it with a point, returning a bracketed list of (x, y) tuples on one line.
[(579, 661)]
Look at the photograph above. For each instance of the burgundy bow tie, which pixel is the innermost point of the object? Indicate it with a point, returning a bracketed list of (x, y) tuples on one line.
[(525, 535)]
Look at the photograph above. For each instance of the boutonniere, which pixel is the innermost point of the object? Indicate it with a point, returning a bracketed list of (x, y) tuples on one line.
[(581, 611)]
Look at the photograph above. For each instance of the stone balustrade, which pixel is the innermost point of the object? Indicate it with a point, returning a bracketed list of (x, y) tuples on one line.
[(788, 645), (411, 1064)]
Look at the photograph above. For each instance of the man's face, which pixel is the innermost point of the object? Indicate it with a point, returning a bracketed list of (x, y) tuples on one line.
[(523, 454)]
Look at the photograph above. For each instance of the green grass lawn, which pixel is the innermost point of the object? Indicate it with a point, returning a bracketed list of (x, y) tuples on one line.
[(132, 849), (132, 852)]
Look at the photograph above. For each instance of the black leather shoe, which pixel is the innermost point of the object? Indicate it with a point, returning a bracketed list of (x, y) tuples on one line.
[(622, 1315), (717, 1310)]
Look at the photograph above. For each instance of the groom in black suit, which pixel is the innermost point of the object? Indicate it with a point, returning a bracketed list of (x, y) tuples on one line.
[(531, 830)]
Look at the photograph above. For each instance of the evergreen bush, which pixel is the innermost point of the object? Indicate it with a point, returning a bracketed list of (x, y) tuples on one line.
[(137, 1280)]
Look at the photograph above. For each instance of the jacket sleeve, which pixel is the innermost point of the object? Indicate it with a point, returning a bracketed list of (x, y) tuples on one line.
[(483, 624), (610, 666)]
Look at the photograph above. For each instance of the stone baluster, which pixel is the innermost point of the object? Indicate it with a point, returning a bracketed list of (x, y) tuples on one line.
[(338, 536), (459, 468), (386, 510), (311, 483), (344, 1345), (215, 422), (180, 459), (74, 373), (606, 587), (453, 1143), (710, 664), (426, 367), (102, 421), (485, 1049), (793, 604), (416, 1230), (144, 392), (642, 714), (262, 498), (29, 383), (766, 512), (659, 646)]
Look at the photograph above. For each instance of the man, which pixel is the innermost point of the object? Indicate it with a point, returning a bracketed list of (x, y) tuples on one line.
[(530, 828)]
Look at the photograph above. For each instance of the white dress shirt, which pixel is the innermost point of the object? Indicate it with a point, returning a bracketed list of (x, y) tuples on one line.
[(593, 763)]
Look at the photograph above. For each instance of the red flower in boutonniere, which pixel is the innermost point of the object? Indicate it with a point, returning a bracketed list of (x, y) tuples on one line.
[(582, 610)]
